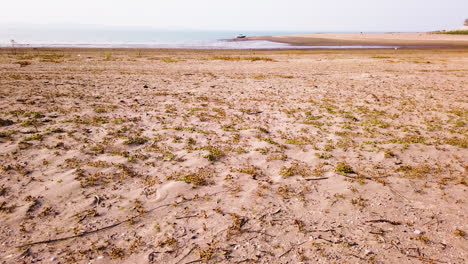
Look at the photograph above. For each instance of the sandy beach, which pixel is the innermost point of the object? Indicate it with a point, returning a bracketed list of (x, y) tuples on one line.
[(287, 156), (371, 39)]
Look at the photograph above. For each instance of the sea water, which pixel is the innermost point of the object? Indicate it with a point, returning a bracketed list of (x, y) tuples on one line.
[(113, 37)]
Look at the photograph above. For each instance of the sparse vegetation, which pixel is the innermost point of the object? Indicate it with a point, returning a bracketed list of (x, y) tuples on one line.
[(200, 177), (6, 122), (108, 56), (169, 59), (296, 168), (453, 32), (233, 156), (23, 63), (344, 168), (136, 140), (459, 233), (239, 58)]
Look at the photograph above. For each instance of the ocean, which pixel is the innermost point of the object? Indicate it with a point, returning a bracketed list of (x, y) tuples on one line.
[(112, 37)]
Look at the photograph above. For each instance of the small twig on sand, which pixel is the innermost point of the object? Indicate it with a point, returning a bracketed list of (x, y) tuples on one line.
[(71, 237), (320, 230), (356, 256), (399, 194), (152, 255), (420, 256), (102, 228), (316, 179), (276, 212), (291, 248), (363, 177), (186, 255), (259, 232), (188, 216), (254, 112), (244, 260), (384, 221)]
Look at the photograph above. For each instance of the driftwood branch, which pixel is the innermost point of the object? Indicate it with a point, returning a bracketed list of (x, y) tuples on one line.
[(384, 221), (316, 179), (291, 248), (71, 237), (186, 255), (363, 177), (184, 217), (54, 240), (258, 232)]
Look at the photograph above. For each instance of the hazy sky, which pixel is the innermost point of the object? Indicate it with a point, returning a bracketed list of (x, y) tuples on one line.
[(299, 15)]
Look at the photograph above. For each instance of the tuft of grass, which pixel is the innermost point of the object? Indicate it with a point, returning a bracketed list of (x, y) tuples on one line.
[(98, 164), (43, 57), (459, 233), (416, 172), (258, 59), (4, 208), (117, 253), (409, 139), (344, 168), (100, 110), (214, 153), (169, 59), (300, 140), (108, 56), (136, 140), (262, 129), (237, 223), (296, 168), (323, 156), (359, 201), (207, 254), (424, 239), (251, 170), (239, 58), (260, 76), (268, 140), (33, 137), (240, 151), (285, 76), (457, 141), (200, 177), (6, 122), (3, 190), (278, 156)]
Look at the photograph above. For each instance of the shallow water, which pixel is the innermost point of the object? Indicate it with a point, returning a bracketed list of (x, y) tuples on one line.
[(255, 45), (91, 37)]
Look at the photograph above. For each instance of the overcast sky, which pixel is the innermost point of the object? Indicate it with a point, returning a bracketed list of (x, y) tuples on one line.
[(295, 15)]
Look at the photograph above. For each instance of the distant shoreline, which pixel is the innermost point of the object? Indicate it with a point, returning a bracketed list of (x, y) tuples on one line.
[(156, 47), (282, 42), (403, 40)]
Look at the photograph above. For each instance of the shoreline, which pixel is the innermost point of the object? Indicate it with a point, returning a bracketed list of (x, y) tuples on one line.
[(285, 42), (403, 40), (291, 48)]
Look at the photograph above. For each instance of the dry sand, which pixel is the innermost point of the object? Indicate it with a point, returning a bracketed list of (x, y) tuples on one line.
[(156, 156), (372, 39)]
